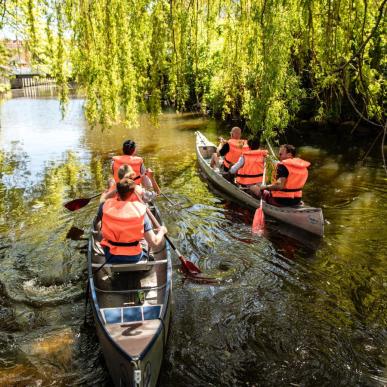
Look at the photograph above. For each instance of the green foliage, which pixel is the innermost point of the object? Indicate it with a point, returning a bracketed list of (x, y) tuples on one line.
[(256, 60)]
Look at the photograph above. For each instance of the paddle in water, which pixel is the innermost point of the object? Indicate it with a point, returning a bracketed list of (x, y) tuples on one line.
[(77, 204), (75, 234), (188, 267), (259, 220), (259, 217)]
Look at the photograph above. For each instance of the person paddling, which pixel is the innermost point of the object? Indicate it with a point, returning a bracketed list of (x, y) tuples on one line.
[(291, 176), (125, 225), (231, 150), (249, 167), (127, 171), (129, 158)]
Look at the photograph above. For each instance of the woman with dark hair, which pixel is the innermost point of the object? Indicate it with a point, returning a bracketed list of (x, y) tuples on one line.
[(125, 225)]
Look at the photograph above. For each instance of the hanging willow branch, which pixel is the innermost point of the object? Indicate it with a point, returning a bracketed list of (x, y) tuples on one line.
[(352, 102), (382, 146), (256, 60), (362, 47)]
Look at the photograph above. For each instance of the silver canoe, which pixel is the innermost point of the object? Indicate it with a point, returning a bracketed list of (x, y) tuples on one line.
[(304, 217), (131, 305)]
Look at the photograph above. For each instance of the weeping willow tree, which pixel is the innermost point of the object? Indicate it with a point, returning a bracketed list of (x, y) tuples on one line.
[(260, 60)]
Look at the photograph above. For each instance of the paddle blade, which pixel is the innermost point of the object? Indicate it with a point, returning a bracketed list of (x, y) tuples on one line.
[(258, 221), (77, 204), (75, 234), (188, 266)]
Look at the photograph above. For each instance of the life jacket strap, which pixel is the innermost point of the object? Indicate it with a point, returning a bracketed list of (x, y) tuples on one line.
[(290, 189), (135, 243), (241, 175)]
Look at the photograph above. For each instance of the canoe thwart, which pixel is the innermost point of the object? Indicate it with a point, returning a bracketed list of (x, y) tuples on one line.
[(143, 289), (138, 266)]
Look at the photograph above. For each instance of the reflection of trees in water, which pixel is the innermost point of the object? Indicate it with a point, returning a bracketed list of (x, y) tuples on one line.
[(21, 205), (99, 170), (13, 172)]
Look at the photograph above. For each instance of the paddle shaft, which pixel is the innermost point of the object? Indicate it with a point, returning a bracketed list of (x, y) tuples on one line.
[(169, 200), (77, 204), (95, 196), (263, 182)]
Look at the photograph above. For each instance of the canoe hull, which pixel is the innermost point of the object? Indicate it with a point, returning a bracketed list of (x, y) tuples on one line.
[(307, 218), (122, 368), (132, 313)]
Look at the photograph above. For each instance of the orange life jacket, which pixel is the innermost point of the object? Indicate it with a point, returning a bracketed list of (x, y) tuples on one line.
[(123, 226), (252, 170), (298, 174), (236, 149), (134, 161)]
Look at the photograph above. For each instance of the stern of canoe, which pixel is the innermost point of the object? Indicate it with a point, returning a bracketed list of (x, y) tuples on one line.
[(307, 218), (119, 340)]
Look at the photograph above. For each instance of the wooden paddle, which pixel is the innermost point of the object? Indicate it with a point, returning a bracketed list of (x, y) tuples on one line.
[(169, 200), (188, 266), (77, 204), (259, 217)]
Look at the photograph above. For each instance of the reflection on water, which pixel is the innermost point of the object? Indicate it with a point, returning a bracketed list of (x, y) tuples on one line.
[(290, 309)]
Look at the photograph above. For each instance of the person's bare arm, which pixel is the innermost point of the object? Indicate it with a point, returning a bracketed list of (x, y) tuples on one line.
[(155, 240), (155, 186), (278, 185), (109, 193)]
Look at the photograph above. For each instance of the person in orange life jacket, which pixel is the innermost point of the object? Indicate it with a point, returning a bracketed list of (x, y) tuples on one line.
[(291, 175), (231, 150), (125, 224), (129, 158), (127, 171), (249, 167)]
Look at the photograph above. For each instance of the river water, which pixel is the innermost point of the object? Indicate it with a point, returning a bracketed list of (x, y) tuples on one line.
[(290, 310)]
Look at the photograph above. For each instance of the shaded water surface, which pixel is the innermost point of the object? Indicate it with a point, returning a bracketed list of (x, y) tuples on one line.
[(290, 309)]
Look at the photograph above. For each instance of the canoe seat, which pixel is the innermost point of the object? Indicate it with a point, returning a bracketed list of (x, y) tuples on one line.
[(141, 265), (130, 314)]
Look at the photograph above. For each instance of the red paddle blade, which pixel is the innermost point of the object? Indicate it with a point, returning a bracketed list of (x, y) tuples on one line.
[(188, 266), (259, 221), (77, 204), (75, 234)]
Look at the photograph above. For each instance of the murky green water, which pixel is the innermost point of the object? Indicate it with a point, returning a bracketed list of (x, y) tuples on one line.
[(290, 310)]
